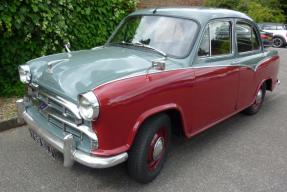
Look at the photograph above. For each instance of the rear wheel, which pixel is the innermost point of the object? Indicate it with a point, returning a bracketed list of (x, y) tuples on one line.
[(255, 107), (278, 42), (148, 153)]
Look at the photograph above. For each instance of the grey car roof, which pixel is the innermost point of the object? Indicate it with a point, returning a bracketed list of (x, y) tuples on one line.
[(199, 14)]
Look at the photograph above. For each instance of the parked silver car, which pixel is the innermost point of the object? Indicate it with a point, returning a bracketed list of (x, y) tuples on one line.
[(279, 31)]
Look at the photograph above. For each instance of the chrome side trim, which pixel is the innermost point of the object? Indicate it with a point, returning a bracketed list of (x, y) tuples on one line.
[(262, 62), (182, 68), (67, 148)]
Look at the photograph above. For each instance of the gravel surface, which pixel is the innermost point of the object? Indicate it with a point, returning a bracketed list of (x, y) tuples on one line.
[(242, 154), (7, 108)]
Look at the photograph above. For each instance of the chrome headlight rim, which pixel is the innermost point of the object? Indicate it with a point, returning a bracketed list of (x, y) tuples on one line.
[(24, 74), (88, 101)]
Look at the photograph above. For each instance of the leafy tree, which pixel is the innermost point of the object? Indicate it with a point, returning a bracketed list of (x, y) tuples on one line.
[(259, 10)]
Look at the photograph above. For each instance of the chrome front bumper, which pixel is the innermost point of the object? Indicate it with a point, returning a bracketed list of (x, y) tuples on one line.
[(67, 146)]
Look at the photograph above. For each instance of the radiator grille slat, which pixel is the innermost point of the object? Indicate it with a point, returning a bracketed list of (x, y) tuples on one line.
[(50, 108)]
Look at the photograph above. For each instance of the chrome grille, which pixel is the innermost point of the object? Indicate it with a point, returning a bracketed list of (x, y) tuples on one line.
[(56, 110), (63, 126)]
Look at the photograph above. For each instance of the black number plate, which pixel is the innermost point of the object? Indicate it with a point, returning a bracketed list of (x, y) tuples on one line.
[(48, 148)]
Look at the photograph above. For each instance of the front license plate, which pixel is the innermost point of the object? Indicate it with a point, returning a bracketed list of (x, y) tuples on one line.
[(48, 148)]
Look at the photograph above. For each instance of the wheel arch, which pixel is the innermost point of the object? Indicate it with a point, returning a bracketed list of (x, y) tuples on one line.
[(281, 37), (174, 112), (268, 82)]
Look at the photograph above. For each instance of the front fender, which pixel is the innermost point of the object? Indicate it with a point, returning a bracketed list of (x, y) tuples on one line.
[(153, 111)]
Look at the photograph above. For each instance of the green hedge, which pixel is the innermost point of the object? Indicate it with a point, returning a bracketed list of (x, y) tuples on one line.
[(31, 28)]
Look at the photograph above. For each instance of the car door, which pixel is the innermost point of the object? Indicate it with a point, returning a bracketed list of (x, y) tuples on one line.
[(215, 88), (249, 55)]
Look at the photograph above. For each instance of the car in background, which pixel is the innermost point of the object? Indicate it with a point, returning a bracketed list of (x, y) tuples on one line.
[(279, 31), (267, 38)]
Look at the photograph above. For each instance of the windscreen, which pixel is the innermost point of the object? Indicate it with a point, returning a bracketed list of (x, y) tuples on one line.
[(173, 36)]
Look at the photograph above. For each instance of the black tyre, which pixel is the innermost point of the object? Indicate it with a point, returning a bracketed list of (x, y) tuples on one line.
[(255, 107), (278, 42), (149, 151)]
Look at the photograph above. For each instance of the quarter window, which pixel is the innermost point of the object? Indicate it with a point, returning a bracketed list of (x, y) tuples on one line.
[(247, 39), (204, 49), (217, 39)]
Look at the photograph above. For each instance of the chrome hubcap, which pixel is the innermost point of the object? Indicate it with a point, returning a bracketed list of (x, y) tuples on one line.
[(259, 97), (158, 148)]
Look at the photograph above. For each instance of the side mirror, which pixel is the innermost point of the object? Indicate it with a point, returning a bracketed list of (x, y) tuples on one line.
[(67, 47), (158, 64)]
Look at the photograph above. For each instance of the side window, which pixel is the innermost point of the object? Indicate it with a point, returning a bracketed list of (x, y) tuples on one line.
[(270, 27), (217, 39), (280, 27), (247, 39)]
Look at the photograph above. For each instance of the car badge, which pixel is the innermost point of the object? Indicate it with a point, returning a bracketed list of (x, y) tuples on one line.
[(43, 105)]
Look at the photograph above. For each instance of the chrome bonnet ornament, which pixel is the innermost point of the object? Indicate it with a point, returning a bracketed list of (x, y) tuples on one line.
[(55, 62), (67, 47)]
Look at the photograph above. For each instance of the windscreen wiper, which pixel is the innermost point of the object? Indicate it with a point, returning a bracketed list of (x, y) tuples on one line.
[(139, 44)]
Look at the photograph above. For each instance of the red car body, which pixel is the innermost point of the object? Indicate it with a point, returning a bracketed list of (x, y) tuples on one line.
[(202, 97)]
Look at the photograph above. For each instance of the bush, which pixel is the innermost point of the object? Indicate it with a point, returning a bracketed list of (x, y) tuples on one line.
[(32, 28)]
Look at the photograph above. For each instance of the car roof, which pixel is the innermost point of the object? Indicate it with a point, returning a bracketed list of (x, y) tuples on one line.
[(200, 14)]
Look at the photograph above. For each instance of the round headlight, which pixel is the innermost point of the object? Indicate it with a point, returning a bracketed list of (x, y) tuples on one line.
[(25, 74), (88, 106)]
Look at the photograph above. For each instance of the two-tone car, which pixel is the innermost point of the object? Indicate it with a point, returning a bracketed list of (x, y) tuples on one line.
[(163, 71)]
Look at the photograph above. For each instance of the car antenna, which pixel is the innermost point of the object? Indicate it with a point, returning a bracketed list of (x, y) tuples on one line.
[(154, 11)]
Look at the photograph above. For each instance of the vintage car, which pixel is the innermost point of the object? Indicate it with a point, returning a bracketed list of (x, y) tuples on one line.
[(163, 71)]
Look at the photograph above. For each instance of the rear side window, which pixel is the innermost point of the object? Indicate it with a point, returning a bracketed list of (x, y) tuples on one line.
[(280, 27), (269, 27), (246, 36), (217, 39)]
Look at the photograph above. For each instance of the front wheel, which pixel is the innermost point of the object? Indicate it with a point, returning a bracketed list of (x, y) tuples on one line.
[(255, 107), (148, 153)]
